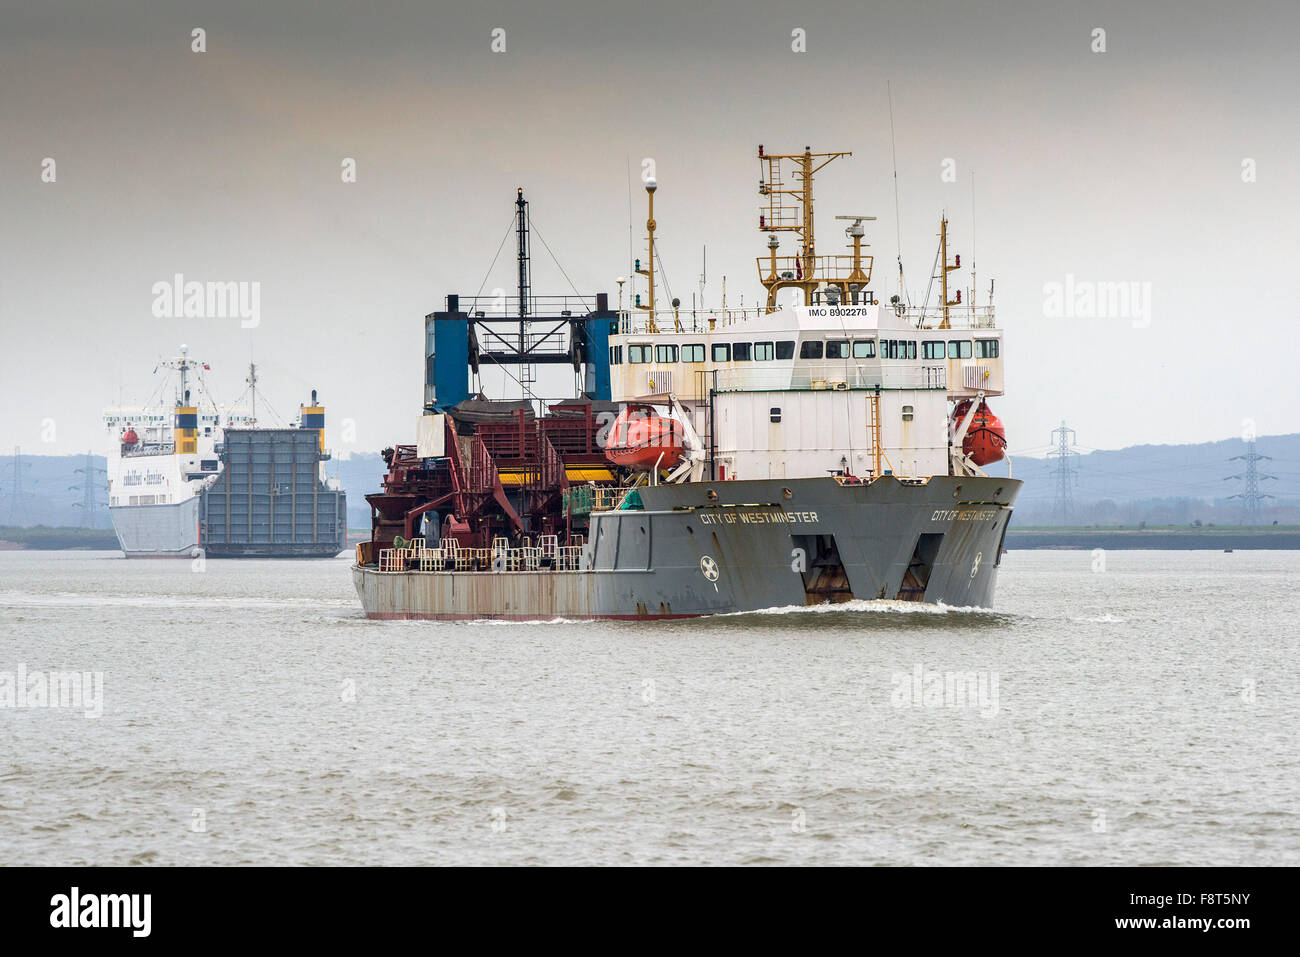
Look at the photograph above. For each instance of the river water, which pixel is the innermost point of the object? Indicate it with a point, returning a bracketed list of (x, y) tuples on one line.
[(1127, 708)]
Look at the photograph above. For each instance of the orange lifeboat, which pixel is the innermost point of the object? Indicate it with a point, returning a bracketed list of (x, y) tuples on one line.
[(129, 437), (641, 438), (986, 440)]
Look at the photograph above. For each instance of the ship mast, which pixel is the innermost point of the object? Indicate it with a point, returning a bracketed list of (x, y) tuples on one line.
[(183, 366), (527, 373), (789, 208), (943, 273), (651, 184)]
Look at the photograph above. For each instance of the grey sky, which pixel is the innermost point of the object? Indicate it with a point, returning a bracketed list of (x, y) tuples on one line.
[(225, 166)]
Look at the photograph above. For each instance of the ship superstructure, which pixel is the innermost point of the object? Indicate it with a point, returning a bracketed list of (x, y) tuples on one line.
[(178, 475), (821, 449)]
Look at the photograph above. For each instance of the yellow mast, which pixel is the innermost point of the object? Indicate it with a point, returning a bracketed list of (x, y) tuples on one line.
[(789, 208), (650, 186), (943, 273)]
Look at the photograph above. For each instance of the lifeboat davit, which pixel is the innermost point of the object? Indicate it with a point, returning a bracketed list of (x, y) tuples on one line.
[(641, 438), (986, 440)]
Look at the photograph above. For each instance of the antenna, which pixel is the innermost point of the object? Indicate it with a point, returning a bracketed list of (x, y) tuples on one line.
[(973, 284), (631, 236), (704, 273), (898, 216), (252, 385)]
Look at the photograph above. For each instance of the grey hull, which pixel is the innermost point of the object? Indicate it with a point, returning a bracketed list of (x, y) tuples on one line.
[(157, 531), (711, 548)]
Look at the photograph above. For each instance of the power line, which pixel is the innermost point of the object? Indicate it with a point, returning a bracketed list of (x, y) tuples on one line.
[(89, 489), (1066, 475), (16, 493), (1250, 496)]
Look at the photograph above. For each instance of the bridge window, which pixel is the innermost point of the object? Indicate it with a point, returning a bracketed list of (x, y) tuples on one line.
[(864, 349), (837, 349), (986, 348), (740, 352), (812, 349), (934, 350), (615, 355), (958, 348), (721, 352), (898, 349), (665, 353), (763, 351), (693, 352), (638, 354), (785, 350)]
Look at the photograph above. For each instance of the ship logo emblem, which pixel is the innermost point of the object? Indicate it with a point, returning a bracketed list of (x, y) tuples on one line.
[(974, 569), (709, 568)]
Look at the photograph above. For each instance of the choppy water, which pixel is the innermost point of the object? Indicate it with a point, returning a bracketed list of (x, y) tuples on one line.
[(1146, 714)]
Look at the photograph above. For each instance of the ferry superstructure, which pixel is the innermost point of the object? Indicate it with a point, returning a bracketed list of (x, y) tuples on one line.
[(788, 454), (194, 480)]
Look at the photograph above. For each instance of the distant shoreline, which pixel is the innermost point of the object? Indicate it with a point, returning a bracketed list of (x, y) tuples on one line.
[(46, 538), (1217, 538)]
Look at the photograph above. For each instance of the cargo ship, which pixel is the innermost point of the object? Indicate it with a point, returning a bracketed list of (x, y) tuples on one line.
[(822, 447), (193, 480)]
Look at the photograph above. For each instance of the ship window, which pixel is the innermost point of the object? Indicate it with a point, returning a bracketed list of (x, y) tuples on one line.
[(740, 351), (785, 350), (763, 351), (911, 348), (693, 352), (934, 350), (208, 465), (616, 355), (837, 349), (721, 352), (665, 353), (811, 350), (864, 349), (638, 354), (958, 348), (986, 348), (774, 414)]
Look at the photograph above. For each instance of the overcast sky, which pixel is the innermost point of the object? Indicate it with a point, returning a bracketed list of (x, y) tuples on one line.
[(1122, 166)]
